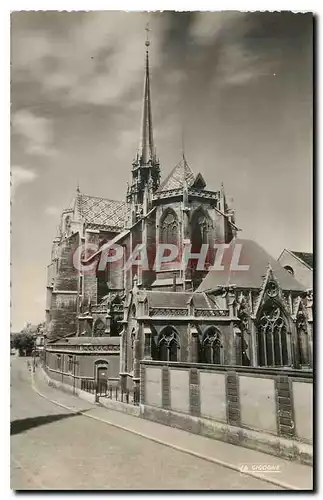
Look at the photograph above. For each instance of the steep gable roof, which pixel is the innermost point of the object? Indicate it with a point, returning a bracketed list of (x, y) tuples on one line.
[(305, 257), (100, 211), (257, 259), (175, 180)]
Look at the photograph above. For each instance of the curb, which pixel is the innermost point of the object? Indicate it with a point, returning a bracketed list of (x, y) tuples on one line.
[(283, 485)]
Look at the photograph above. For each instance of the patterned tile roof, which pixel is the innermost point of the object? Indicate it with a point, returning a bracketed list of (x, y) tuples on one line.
[(102, 212), (177, 176), (307, 258), (257, 259)]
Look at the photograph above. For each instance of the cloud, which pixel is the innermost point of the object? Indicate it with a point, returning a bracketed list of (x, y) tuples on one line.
[(19, 176), (95, 62), (53, 210), (207, 26), (35, 131), (237, 59), (239, 66)]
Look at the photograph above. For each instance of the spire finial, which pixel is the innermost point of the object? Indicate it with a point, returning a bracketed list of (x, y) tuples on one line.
[(183, 145), (147, 42), (78, 187)]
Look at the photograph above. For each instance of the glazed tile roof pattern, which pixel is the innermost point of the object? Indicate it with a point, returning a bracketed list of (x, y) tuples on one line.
[(307, 258), (100, 211), (257, 259), (175, 179)]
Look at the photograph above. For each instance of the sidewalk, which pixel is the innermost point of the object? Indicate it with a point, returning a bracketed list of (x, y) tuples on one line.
[(291, 475)]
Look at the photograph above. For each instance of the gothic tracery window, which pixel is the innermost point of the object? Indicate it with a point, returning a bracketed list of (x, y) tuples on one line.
[(201, 226), (204, 227), (168, 345), (212, 351), (302, 339), (244, 355), (169, 229), (67, 223), (272, 337), (98, 328)]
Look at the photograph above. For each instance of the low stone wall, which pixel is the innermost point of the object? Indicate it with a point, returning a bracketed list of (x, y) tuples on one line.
[(269, 409), (112, 404)]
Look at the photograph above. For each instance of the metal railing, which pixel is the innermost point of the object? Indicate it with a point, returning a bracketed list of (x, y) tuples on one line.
[(124, 396), (102, 388), (88, 386)]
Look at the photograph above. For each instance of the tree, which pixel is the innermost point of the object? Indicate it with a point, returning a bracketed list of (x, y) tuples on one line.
[(24, 342)]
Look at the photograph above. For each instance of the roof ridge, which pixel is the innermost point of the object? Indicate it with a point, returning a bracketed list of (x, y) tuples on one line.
[(298, 252), (298, 255), (102, 198)]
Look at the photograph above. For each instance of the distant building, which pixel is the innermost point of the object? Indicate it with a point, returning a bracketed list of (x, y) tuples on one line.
[(299, 264)]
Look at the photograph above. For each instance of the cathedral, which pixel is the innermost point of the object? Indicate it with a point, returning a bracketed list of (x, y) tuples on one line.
[(103, 320)]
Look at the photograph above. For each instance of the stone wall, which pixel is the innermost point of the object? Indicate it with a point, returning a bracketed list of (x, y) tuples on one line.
[(83, 367), (67, 276), (62, 301), (262, 408), (63, 314)]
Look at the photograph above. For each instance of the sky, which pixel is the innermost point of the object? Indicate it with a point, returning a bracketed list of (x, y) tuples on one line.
[(235, 88)]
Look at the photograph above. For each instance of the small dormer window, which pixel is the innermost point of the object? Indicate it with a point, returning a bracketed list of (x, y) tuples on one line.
[(289, 269)]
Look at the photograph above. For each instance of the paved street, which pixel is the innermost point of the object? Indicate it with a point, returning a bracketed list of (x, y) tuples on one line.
[(52, 448)]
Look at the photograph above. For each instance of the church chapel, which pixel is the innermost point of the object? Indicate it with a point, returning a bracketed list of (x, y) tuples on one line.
[(103, 321)]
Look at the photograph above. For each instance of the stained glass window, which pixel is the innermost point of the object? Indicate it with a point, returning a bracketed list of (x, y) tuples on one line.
[(272, 337)]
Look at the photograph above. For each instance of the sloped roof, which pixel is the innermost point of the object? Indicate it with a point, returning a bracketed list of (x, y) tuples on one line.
[(178, 299), (305, 257), (72, 340), (175, 180), (257, 259), (100, 211)]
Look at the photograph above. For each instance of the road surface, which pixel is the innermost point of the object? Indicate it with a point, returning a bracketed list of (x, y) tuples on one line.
[(54, 449)]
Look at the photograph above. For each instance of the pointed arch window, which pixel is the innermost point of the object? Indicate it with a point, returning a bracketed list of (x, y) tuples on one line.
[(244, 347), (168, 345), (212, 350), (169, 228), (272, 336), (130, 351), (98, 328), (302, 339), (201, 225)]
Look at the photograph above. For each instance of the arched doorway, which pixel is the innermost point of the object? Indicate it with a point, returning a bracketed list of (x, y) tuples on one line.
[(101, 376)]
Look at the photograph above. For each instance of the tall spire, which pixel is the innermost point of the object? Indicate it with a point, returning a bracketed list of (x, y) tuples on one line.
[(146, 146), (145, 166)]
